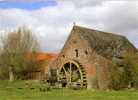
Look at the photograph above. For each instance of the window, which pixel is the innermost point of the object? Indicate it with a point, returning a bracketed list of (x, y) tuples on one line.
[(74, 41), (76, 52), (86, 52), (63, 56)]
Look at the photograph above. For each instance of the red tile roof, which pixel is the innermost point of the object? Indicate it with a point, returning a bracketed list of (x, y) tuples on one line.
[(39, 56)]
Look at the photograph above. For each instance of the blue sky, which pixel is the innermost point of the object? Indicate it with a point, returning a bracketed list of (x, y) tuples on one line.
[(27, 5)]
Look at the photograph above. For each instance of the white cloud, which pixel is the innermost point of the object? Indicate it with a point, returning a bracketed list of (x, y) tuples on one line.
[(82, 3), (53, 24)]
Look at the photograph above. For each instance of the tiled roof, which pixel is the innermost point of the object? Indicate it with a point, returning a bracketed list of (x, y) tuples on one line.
[(39, 56)]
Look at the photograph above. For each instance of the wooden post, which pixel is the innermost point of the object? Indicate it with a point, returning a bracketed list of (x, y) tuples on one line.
[(11, 75)]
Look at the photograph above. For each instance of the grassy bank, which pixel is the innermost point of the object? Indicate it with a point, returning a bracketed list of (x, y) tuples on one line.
[(19, 91)]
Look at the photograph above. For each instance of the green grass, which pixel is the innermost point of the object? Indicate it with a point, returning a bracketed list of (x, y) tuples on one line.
[(11, 91)]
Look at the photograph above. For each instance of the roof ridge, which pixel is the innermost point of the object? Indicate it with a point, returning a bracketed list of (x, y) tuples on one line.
[(85, 28)]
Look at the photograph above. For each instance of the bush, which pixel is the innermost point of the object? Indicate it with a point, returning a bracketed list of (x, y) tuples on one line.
[(126, 73), (131, 64), (118, 77)]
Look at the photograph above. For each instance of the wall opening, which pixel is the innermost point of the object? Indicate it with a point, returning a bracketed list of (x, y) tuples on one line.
[(86, 52), (76, 53), (74, 41), (63, 56)]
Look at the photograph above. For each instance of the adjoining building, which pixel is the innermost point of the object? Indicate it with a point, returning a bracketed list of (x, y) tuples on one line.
[(87, 56), (42, 61)]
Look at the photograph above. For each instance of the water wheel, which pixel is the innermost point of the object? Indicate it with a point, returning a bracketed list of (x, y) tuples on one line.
[(73, 73)]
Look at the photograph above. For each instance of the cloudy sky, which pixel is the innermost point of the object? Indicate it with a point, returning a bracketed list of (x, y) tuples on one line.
[(52, 20)]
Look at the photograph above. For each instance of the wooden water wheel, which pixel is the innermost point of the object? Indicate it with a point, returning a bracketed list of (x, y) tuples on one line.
[(73, 73)]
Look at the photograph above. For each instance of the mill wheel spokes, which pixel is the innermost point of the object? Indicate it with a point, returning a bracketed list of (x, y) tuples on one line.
[(71, 73)]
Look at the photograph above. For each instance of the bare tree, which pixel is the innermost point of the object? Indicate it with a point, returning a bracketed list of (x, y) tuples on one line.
[(14, 48)]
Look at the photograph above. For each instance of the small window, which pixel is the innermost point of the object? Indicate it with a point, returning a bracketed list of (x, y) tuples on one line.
[(76, 52), (74, 41), (63, 56), (86, 52)]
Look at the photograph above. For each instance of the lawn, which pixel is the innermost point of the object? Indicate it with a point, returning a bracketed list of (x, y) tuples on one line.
[(18, 91)]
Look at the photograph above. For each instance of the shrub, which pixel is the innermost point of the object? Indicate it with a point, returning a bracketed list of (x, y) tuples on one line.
[(126, 73)]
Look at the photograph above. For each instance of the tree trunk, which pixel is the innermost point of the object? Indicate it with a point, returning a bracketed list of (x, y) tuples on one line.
[(11, 75)]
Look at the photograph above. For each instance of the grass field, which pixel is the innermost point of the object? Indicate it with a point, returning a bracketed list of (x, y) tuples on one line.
[(18, 91)]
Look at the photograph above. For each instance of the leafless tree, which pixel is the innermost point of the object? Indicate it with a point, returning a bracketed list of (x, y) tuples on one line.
[(14, 48)]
